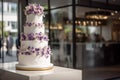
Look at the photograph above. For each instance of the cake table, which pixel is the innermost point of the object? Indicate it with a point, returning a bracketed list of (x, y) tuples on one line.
[(8, 72)]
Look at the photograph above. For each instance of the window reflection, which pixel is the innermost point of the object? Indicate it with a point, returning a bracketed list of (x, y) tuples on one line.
[(103, 1), (92, 26), (116, 2), (61, 22), (95, 36), (61, 36), (10, 31), (41, 2), (59, 3)]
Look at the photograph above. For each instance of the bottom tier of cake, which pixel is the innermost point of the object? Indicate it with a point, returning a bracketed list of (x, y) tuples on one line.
[(34, 62)]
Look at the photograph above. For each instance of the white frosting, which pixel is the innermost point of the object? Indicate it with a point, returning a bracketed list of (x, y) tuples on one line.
[(33, 60), (33, 43), (33, 29), (31, 18)]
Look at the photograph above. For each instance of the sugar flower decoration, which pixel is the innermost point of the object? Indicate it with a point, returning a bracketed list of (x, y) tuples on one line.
[(32, 36), (45, 51), (36, 9)]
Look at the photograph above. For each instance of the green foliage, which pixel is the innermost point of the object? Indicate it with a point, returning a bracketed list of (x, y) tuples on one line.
[(4, 33)]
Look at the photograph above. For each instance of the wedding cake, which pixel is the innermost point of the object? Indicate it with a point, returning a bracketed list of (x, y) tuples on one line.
[(34, 53)]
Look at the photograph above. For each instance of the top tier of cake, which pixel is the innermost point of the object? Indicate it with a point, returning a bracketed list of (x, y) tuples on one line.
[(34, 19), (34, 13)]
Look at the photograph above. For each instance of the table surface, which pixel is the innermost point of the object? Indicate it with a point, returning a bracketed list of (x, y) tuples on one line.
[(57, 73)]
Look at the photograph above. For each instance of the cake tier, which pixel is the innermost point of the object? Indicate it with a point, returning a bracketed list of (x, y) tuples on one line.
[(35, 9), (34, 28), (34, 44), (33, 60), (34, 36), (31, 18)]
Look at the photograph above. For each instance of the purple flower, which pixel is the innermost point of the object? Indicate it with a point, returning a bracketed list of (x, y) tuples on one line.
[(27, 53), (31, 36), (40, 33), (46, 38), (37, 49), (34, 9)]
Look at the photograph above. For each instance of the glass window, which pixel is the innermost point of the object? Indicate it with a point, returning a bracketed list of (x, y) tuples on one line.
[(116, 2), (10, 28), (13, 7), (41, 2), (87, 2), (0, 7), (45, 21), (101, 1), (96, 38), (14, 25), (0, 18), (0, 29), (93, 21), (83, 2), (6, 7), (58, 3), (61, 36), (95, 31)]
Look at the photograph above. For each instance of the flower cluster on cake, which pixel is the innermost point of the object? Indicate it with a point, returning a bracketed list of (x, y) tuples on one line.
[(34, 53)]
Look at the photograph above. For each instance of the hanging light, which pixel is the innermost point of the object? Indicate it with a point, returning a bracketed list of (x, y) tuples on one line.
[(97, 14)]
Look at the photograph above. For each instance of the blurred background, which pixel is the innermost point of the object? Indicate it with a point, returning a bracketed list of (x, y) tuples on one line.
[(83, 34)]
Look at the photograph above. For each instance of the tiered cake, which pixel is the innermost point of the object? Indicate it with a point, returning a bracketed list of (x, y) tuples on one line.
[(34, 53)]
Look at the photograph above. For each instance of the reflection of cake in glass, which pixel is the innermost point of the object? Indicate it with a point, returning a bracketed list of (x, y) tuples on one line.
[(34, 53)]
